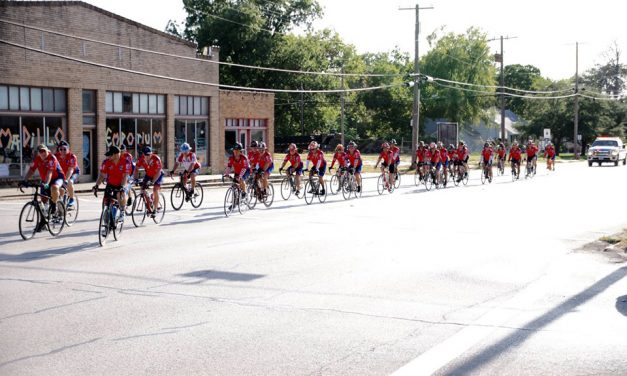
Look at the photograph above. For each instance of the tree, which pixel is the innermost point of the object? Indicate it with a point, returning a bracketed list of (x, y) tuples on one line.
[(464, 58), (172, 27), (525, 77), (608, 78)]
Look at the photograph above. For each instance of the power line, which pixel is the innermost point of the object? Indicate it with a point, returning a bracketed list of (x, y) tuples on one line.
[(506, 94), (338, 74), (331, 91), (504, 87)]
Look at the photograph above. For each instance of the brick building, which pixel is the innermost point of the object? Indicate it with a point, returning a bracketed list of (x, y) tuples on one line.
[(76, 72)]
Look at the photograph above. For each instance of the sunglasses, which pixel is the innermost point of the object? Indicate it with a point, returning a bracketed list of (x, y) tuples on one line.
[(62, 149), (43, 151)]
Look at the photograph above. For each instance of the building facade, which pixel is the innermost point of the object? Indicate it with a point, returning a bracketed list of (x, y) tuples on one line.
[(69, 70)]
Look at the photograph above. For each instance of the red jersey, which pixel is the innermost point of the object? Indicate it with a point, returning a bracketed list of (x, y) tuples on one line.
[(128, 157), (70, 161), (501, 152), (253, 158), (340, 157), (549, 151), (531, 151), (317, 158), (115, 172), (43, 166), (444, 155), (294, 159), (421, 154), (387, 156), (487, 153), (239, 166), (265, 160), (462, 153), (354, 158), (434, 156), (453, 154), (515, 153), (396, 152), (152, 166), (188, 161)]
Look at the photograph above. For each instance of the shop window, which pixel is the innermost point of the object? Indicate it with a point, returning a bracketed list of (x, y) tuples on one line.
[(135, 103), (10, 145), (161, 104), (108, 102), (152, 104), (14, 98), (35, 99), (176, 104), (112, 132), (24, 99), (59, 100), (54, 132), (183, 105), (158, 137), (117, 102), (204, 104), (127, 102), (143, 103), (4, 98)]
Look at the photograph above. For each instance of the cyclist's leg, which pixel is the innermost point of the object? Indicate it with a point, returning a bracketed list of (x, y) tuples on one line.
[(155, 190), (55, 188), (321, 172), (358, 176)]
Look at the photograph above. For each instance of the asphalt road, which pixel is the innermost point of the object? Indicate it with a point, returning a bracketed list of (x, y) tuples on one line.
[(470, 280)]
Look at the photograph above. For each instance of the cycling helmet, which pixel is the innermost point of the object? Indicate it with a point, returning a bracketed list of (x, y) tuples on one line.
[(515, 143), (63, 143), (339, 147), (385, 145), (352, 144), (313, 145), (292, 147), (432, 145), (462, 142), (529, 142), (487, 144), (185, 147), (147, 150), (262, 145), (439, 144), (254, 144), (237, 146), (393, 142), (451, 146)]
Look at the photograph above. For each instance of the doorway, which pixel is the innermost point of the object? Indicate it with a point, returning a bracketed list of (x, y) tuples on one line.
[(89, 167)]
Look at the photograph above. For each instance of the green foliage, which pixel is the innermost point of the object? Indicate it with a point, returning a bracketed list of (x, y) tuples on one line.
[(525, 77), (608, 78)]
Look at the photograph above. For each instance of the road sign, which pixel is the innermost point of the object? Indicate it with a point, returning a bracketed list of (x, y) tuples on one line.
[(578, 137), (547, 133)]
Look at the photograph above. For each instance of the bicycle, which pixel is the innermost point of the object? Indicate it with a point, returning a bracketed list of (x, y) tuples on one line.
[(182, 192), (397, 178), (288, 186), (338, 180), (485, 173), (111, 220), (143, 207), (131, 198), (514, 173), (383, 183), (233, 198), (350, 186), (312, 188), (459, 176), (71, 211), (257, 193), (530, 169), (35, 215), (500, 167)]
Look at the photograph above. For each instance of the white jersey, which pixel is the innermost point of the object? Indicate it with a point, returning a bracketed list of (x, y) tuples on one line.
[(188, 161)]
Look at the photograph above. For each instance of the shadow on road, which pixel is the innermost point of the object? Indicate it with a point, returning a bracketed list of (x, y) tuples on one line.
[(621, 304), (205, 275), (515, 339), (38, 255)]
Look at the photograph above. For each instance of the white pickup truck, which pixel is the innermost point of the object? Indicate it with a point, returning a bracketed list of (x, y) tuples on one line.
[(607, 149)]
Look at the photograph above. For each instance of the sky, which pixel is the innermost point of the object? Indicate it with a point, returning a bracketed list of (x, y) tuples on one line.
[(545, 30)]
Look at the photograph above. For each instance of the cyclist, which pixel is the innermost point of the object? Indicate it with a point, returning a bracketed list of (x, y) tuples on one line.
[(396, 155), (253, 155), (462, 159), (266, 165), (452, 153), (238, 163), (532, 153), (69, 166), (444, 159), (501, 153), (187, 159), (115, 171), (354, 162), (50, 172), (421, 153), (435, 160), (549, 154), (154, 174), (386, 157), (487, 155), (296, 165), (124, 154), (515, 155), (340, 157), (316, 157)]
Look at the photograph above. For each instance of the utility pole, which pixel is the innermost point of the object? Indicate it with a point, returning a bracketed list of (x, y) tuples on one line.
[(500, 58), (576, 99), (302, 110), (416, 106), (342, 107)]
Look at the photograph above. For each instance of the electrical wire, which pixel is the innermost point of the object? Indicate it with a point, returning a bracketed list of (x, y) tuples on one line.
[(504, 87), (506, 94), (337, 74), (330, 91)]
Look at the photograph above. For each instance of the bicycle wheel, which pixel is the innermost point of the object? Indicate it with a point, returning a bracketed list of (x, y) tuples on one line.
[(56, 221), (229, 201), (428, 181), (335, 185), (103, 226), (380, 185), (465, 178), (177, 196), (417, 179), (160, 212), (322, 197), (252, 196), (29, 220), (241, 202), (197, 196), (118, 222), (483, 177), (286, 188), (71, 212), (130, 202), (269, 196), (347, 188), (456, 179), (309, 192), (138, 215), (397, 182)]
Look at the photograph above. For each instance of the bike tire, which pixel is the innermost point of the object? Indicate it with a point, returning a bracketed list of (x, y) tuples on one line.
[(309, 196), (286, 189), (177, 196), (71, 213), (242, 203), (347, 188), (428, 180), (380, 185), (397, 182), (335, 185), (417, 179), (229, 201), (103, 226), (138, 215), (56, 224), (197, 196), (322, 197), (483, 177), (119, 226), (29, 217), (269, 196), (465, 178), (132, 195), (160, 211), (252, 196)]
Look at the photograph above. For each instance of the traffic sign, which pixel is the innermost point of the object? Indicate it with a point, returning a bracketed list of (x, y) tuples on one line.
[(547, 133)]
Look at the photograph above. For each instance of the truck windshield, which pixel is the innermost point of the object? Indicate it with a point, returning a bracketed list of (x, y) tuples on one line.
[(605, 143)]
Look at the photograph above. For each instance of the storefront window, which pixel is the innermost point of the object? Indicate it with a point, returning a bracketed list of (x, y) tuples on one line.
[(180, 135), (158, 137), (4, 98), (127, 136), (35, 99), (10, 146), (32, 135), (112, 132), (54, 132), (201, 142), (24, 99)]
